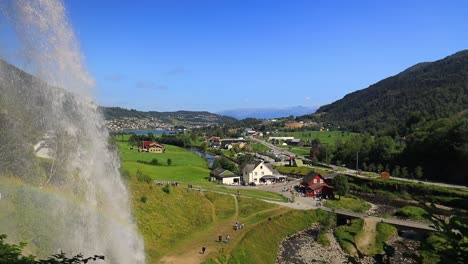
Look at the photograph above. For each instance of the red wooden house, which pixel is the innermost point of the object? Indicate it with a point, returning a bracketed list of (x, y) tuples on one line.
[(314, 185)]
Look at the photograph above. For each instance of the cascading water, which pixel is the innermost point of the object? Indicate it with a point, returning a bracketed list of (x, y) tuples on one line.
[(74, 199)]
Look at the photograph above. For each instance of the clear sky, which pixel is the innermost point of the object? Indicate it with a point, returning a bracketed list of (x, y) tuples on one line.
[(219, 54)]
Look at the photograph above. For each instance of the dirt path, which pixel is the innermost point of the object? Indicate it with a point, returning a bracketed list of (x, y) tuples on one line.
[(192, 251), (366, 239), (209, 239)]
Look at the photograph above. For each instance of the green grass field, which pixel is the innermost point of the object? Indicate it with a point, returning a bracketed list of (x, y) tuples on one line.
[(302, 171), (328, 137), (349, 203)]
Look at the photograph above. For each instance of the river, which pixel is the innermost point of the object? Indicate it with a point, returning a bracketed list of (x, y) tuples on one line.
[(210, 158)]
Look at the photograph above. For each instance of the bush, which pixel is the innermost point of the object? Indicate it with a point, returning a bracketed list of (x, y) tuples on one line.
[(166, 189), (143, 177), (143, 199), (154, 162)]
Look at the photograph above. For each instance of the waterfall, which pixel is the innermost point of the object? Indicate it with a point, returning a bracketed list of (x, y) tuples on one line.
[(82, 203)]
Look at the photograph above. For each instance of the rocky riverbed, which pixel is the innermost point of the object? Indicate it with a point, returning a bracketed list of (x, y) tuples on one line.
[(302, 248)]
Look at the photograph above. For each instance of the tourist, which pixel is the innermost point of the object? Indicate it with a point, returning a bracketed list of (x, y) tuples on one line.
[(228, 238), (220, 238)]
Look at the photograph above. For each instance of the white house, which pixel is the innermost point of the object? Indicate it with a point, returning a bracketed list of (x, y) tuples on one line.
[(257, 172), (225, 177)]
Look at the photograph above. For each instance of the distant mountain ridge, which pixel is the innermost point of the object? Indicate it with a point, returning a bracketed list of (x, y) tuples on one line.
[(424, 92), (265, 113), (175, 118)]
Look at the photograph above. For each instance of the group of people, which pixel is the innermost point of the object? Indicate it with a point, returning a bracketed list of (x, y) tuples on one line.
[(238, 226)]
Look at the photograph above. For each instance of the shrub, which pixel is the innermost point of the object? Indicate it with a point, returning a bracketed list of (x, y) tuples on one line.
[(143, 177), (154, 162), (166, 189), (143, 199)]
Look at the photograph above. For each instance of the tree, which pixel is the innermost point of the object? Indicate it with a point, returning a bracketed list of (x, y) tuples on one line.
[(396, 171), (225, 164), (341, 185), (169, 162), (404, 172), (418, 172)]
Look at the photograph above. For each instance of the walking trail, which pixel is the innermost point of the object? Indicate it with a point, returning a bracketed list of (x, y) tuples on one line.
[(366, 239), (190, 252)]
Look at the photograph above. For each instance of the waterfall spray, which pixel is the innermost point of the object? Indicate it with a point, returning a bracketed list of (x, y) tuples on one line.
[(94, 217)]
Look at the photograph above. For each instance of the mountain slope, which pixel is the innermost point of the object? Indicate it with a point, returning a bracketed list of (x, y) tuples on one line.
[(426, 91), (264, 113), (192, 117)]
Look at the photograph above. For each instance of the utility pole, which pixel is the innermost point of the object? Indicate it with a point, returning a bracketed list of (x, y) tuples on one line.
[(357, 162), (326, 154)]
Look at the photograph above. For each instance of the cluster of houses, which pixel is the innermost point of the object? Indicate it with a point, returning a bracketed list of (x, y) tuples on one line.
[(262, 173), (151, 147), (228, 143), (291, 141), (252, 173)]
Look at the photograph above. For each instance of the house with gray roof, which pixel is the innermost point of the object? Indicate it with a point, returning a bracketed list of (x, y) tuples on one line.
[(225, 176)]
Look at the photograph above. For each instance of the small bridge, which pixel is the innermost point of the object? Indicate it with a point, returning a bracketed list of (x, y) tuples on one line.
[(400, 224)]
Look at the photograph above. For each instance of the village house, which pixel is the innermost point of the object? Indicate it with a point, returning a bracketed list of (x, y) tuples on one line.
[(231, 141), (295, 142), (259, 172), (152, 147), (225, 176), (314, 185)]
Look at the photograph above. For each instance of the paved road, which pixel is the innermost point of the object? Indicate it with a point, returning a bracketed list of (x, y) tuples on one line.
[(352, 172), (308, 203)]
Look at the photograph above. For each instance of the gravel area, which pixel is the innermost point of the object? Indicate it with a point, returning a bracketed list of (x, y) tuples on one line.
[(302, 248)]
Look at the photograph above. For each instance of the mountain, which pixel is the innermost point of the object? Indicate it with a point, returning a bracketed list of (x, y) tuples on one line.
[(264, 113), (396, 105), (183, 118)]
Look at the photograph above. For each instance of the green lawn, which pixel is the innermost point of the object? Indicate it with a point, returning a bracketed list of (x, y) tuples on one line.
[(257, 147), (328, 137), (301, 171), (413, 212), (351, 203)]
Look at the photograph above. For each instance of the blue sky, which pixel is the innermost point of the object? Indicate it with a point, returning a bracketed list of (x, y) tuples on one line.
[(215, 55)]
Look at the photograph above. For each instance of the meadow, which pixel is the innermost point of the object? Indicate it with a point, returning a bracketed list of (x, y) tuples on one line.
[(325, 137)]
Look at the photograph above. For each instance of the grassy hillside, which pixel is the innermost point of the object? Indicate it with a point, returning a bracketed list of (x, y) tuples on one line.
[(260, 243)]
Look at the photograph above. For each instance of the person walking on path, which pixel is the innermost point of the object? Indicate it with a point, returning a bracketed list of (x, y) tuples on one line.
[(220, 238), (228, 238), (203, 249)]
